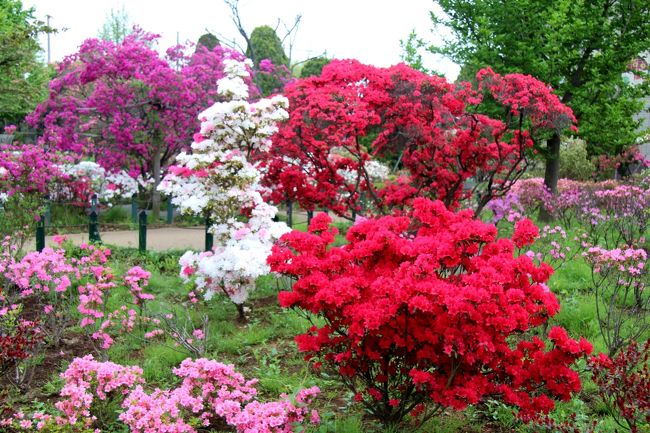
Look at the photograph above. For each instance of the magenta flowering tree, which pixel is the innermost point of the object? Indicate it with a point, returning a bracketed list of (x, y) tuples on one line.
[(127, 106)]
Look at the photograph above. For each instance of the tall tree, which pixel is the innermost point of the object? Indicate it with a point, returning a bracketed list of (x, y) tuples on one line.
[(207, 40), (314, 66), (265, 44), (127, 106), (116, 27), (580, 47), (23, 77)]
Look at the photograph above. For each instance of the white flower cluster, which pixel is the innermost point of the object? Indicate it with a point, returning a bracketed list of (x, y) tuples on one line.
[(109, 187), (216, 180), (233, 267), (375, 169)]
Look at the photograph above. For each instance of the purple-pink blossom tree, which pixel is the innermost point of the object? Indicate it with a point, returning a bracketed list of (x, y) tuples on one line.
[(127, 106)]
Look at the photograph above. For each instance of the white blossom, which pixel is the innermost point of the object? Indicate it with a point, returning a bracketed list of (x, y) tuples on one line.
[(217, 180)]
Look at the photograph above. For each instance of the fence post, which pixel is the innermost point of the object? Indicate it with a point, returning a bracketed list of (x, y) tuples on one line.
[(289, 213), (40, 234), (93, 227), (93, 203), (209, 237), (170, 211), (142, 231), (310, 216), (134, 207), (48, 211)]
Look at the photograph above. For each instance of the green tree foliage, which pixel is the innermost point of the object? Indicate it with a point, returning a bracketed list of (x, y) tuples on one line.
[(580, 47), (313, 67), (23, 77), (265, 44), (575, 162), (207, 40), (116, 27), (411, 48)]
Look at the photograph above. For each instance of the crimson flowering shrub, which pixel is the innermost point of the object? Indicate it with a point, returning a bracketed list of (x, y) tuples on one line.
[(432, 129), (429, 311), (210, 393), (18, 336), (624, 385)]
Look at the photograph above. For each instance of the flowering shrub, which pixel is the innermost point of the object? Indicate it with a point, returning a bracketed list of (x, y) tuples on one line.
[(626, 211), (218, 181), (427, 126), (26, 175), (210, 393), (86, 380), (621, 164), (624, 384), (49, 278), (619, 279), (57, 283), (553, 246), (419, 313), (18, 336)]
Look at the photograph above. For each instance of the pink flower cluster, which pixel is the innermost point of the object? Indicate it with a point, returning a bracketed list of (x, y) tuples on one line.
[(48, 277), (625, 260), (87, 379), (210, 393), (136, 278), (210, 390)]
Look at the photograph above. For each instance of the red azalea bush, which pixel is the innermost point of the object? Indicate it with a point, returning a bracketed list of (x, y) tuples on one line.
[(624, 384), (427, 312), (433, 130)]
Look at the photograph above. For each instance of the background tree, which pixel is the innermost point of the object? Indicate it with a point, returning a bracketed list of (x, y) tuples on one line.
[(265, 44), (23, 77), (411, 53), (116, 27), (581, 48), (207, 40), (268, 56), (314, 67)]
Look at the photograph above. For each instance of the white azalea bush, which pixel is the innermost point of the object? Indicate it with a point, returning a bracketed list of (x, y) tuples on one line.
[(217, 181)]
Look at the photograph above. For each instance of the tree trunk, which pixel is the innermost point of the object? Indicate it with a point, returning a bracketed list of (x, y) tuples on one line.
[(552, 171), (155, 197)]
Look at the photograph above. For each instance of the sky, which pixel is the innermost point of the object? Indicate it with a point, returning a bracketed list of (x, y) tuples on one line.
[(367, 30)]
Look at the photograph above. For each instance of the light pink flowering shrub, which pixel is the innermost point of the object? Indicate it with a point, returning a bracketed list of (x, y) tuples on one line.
[(210, 394), (88, 380), (620, 283)]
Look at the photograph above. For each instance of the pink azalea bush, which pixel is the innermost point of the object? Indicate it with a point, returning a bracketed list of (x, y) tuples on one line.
[(619, 283), (210, 393)]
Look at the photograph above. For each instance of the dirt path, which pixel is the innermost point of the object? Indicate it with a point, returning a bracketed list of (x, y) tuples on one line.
[(160, 239), (157, 239)]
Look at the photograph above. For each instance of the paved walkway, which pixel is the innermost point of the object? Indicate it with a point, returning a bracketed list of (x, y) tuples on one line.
[(157, 239)]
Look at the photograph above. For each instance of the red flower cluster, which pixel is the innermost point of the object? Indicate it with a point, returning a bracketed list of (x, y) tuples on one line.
[(624, 384), (428, 311), (17, 337)]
